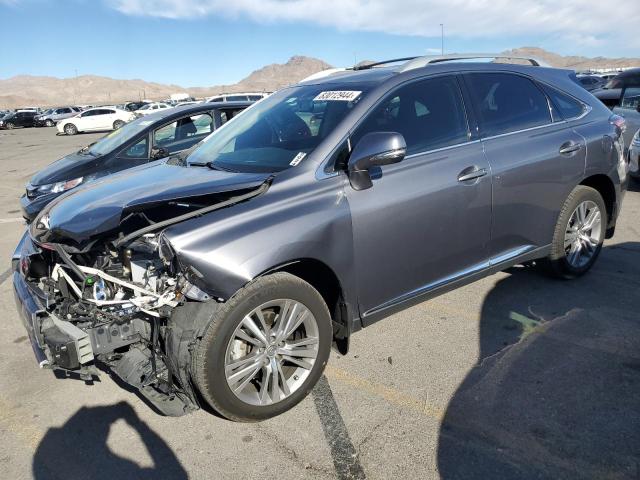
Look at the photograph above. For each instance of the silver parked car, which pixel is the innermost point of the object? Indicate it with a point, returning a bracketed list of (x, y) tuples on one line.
[(226, 274), (53, 115)]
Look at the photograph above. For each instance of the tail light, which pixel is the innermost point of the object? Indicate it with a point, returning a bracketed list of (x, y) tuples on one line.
[(619, 122)]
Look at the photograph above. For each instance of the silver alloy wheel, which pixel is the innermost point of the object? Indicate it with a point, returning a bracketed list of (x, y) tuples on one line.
[(49, 123), (583, 234), (69, 129), (271, 352)]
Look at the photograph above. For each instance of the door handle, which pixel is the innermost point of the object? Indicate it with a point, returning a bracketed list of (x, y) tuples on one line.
[(569, 147), (471, 173)]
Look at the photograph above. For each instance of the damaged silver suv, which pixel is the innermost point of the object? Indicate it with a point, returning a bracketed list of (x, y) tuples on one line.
[(225, 276)]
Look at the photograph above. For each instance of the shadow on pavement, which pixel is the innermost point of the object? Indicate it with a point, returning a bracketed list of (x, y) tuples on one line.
[(564, 401), (79, 449)]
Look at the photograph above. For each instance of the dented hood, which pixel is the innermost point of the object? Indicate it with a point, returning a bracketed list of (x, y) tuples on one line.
[(98, 207)]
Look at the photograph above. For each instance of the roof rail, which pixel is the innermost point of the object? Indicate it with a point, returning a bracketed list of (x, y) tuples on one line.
[(375, 64), (419, 62)]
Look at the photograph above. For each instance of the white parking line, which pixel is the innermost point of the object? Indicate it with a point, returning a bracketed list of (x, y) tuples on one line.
[(11, 220)]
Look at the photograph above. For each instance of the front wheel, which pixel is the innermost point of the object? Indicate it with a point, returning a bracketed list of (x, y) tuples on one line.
[(264, 349), (117, 124), (70, 129), (579, 233), (49, 123), (9, 126)]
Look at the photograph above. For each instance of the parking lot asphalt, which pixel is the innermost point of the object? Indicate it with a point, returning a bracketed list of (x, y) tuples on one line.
[(514, 376)]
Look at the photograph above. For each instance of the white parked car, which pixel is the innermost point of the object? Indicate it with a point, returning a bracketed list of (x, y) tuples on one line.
[(151, 108), (238, 97), (95, 119)]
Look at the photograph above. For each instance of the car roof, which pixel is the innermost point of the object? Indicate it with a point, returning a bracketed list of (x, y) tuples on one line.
[(630, 72), (180, 110), (378, 75)]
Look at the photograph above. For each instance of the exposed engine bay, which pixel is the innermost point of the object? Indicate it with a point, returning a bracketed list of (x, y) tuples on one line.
[(122, 302)]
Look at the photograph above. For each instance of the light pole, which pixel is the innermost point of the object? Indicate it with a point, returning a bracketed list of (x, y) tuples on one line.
[(442, 38)]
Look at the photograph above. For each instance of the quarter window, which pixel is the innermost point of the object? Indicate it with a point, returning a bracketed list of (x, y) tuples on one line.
[(507, 103), (138, 150), (428, 113), (565, 106)]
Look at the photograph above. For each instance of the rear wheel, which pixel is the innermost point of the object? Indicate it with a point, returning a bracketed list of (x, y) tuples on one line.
[(264, 349), (117, 124), (70, 129), (49, 123), (579, 233)]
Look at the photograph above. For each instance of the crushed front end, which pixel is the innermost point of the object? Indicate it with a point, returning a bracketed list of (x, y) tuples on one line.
[(126, 310)]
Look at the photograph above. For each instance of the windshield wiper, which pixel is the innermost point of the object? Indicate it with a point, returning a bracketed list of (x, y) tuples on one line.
[(212, 166), (215, 166)]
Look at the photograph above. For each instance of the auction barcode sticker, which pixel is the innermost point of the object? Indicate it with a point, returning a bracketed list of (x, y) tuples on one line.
[(297, 159), (337, 96)]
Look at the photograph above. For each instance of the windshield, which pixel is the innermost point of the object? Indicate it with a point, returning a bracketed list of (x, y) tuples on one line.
[(118, 137), (145, 107), (280, 131)]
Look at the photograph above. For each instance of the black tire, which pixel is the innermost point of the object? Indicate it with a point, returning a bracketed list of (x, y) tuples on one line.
[(9, 126), (117, 124), (49, 123), (557, 262), (209, 356), (70, 129)]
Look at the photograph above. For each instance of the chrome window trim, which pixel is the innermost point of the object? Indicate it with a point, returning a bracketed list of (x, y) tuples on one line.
[(436, 150), (521, 131)]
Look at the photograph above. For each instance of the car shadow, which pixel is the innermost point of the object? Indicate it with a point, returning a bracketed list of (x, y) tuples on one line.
[(79, 448), (556, 392)]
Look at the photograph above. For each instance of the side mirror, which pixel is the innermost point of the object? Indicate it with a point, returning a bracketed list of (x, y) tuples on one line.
[(158, 152), (374, 150)]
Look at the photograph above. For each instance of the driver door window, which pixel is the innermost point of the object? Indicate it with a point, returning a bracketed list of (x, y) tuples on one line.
[(428, 114)]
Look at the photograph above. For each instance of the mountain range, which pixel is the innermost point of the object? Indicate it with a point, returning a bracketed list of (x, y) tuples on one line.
[(27, 90)]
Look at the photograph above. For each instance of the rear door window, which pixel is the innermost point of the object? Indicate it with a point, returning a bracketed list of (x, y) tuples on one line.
[(507, 103), (428, 113)]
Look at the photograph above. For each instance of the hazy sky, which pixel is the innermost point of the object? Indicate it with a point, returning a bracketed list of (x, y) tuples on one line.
[(206, 42)]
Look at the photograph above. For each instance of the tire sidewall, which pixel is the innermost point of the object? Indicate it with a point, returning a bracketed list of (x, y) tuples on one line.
[(70, 129), (118, 124), (558, 258), (49, 123), (211, 377)]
